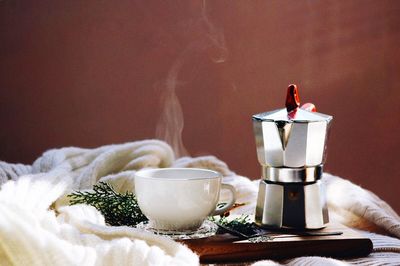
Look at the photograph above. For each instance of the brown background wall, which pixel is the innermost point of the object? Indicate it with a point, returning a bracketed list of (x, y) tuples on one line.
[(88, 73)]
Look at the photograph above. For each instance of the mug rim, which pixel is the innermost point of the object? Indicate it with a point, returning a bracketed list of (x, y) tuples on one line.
[(141, 173)]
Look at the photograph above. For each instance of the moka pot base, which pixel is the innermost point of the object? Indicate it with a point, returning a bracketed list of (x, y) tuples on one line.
[(291, 198)]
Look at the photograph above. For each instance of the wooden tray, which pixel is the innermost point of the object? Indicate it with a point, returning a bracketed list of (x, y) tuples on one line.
[(225, 248)]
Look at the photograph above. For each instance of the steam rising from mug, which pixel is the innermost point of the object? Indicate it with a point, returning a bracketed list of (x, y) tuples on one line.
[(171, 122)]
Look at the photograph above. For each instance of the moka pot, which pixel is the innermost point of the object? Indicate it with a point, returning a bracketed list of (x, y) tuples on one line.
[(291, 145)]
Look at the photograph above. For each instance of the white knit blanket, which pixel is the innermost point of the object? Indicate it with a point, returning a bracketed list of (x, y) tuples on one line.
[(38, 227)]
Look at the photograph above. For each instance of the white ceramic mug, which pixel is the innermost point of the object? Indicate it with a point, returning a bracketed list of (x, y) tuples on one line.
[(180, 199)]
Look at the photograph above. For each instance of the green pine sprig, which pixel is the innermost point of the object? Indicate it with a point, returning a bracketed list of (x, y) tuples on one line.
[(118, 209), (240, 224)]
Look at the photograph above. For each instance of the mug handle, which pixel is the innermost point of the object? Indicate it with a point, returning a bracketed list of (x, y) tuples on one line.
[(222, 210)]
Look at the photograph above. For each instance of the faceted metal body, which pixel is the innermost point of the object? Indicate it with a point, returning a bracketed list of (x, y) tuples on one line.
[(291, 152), (290, 143), (296, 205)]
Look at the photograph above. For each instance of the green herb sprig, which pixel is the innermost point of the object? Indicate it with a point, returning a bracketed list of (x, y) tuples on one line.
[(240, 224), (118, 209)]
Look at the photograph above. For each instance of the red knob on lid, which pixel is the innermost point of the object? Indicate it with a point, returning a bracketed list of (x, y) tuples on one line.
[(292, 98)]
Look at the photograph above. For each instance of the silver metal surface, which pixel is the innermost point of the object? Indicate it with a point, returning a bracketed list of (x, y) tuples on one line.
[(301, 116), (291, 150), (291, 206), (291, 143), (292, 175), (315, 207), (269, 208)]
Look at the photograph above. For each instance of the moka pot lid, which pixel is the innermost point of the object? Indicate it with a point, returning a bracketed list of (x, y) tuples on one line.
[(293, 113)]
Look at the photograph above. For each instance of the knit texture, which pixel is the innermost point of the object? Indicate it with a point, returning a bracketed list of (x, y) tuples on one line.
[(38, 227)]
